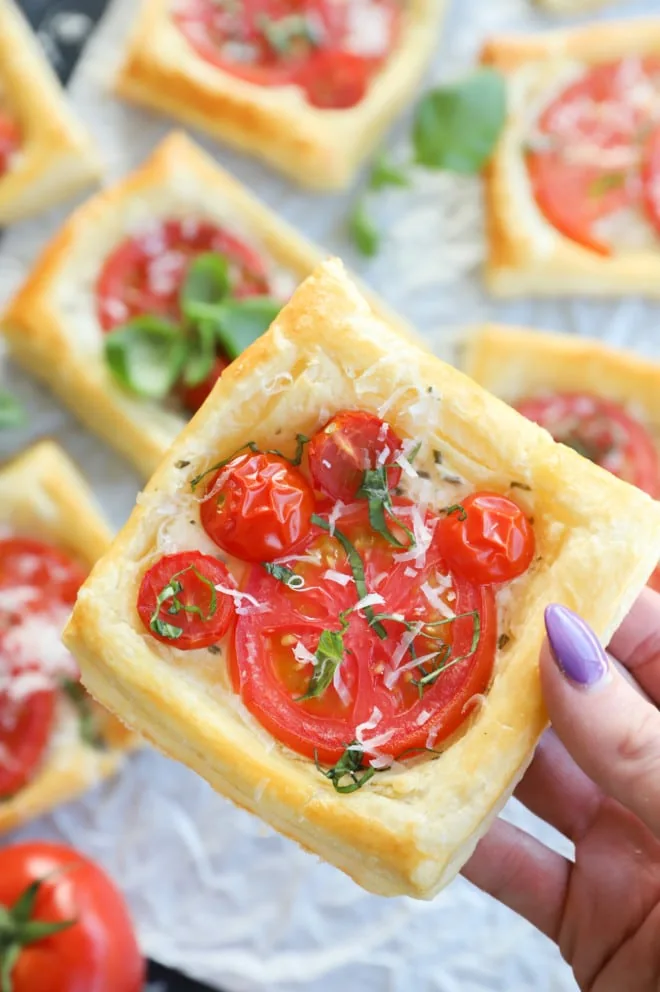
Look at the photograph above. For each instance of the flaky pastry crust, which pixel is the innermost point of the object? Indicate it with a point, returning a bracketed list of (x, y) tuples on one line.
[(526, 254), (52, 326), (321, 149), (43, 495), (57, 157), (598, 541)]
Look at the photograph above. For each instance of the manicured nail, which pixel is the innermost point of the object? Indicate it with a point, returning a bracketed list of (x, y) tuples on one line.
[(575, 648)]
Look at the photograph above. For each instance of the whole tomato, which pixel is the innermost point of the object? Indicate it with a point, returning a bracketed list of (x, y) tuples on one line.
[(64, 925)]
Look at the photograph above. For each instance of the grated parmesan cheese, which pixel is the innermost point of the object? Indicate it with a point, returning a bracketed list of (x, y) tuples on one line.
[(339, 577)]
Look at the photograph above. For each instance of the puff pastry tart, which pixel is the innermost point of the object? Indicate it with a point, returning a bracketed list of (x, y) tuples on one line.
[(55, 740), (308, 85), (573, 189), (329, 599), (147, 292), (45, 153), (572, 6), (599, 401)]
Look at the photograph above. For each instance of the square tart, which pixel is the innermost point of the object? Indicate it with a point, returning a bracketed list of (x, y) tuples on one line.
[(42, 495), (317, 148), (526, 254), (52, 326), (597, 538), (57, 157)]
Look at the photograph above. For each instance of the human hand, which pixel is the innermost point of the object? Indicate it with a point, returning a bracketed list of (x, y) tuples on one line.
[(596, 778)]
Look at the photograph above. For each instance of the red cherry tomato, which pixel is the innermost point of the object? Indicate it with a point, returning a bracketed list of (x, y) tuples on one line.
[(274, 643), (487, 539), (27, 562), (193, 613), (350, 443), (25, 729), (99, 952), (10, 140), (593, 164), (193, 397), (258, 507), (144, 274), (332, 61), (602, 431)]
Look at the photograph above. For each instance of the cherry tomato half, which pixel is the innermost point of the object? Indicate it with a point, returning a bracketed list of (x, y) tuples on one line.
[(350, 443), (193, 612), (258, 507), (27, 562), (99, 952), (25, 729), (487, 539)]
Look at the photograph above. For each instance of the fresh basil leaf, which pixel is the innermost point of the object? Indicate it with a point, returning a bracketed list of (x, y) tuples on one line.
[(286, 33), (384, 173), (363, 232), (167, 630), (350, 764), (329, 656), (237, 323), (11, 411), (146, 355), (207, 281), (284, 574), (201, 355), (456, 127), (376, 491)]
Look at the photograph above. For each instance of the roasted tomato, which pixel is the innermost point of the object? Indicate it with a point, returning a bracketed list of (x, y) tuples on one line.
[(258, 507), (351, 443)]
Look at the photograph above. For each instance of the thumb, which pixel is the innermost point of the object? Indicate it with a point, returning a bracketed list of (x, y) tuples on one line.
[(609, 729)]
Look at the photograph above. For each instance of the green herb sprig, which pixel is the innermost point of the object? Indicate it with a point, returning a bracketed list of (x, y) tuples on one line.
[(170, 593), (350, 766), (329, 655)]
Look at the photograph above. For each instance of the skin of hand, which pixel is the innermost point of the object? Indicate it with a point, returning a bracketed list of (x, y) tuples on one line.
[(596, 778)]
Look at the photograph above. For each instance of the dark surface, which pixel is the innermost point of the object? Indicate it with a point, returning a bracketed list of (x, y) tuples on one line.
[(41, 14)]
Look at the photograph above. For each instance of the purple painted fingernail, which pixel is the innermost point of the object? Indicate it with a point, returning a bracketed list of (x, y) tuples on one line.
[(575, 648)]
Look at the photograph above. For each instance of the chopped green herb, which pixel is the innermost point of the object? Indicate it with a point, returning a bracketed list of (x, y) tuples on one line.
[(385, 173), (171, 592), (301, 441), (349, 765), (456, 127), (285, 575), (181, 463), (456, 508), (362, 231), (437, 456), (521, 485), (444, 664), (329, 656), (90, 732), (376, 491), (605, 183), (285, 34), (214, 649), (357, 568), (503, 640)]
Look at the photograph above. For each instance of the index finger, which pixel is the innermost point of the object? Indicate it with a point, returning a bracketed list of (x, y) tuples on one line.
[(636, 643)]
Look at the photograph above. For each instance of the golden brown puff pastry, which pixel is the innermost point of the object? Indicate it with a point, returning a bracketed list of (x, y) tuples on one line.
[(526, 253), (56, 157), (598, 540), (42, 495), (318, 148), (572, 6), (52, 325)]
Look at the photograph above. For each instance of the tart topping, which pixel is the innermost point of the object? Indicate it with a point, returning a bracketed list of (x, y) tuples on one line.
[(602, 431), (364, 624), (331, 49), (595, 154), (178, 303), (38, 585)]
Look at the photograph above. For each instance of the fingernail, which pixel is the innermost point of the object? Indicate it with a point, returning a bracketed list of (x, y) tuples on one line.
[(575, 648)]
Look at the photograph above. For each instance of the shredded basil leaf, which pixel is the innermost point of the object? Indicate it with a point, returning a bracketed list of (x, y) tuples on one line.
[(285, 575), (301, 441), (349, 765), (12, 413), (376, 491), (444, 663), (362, 231), (455, 508), (357, 568), (284, 33), (456, 127), (329, 656), (606, 182), (146, 356), (171, 592), (384, 173)]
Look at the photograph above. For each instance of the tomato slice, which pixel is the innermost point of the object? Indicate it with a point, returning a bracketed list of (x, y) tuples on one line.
[(274, 642), (10, 140), (144, 274), (602, 431), (27, 563), (487, 539), (330, 48), (349, 444), (593, 139), (193, 397), (25, 729), (184, 600), (258, 507)]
